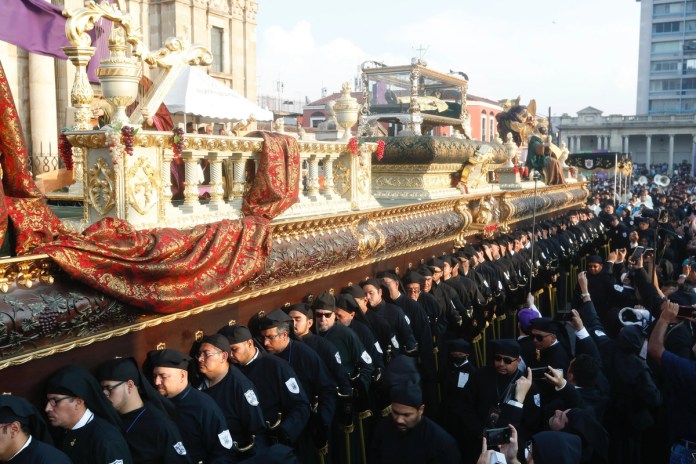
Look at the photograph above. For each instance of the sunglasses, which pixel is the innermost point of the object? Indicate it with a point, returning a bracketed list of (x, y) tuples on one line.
[(504, 359), (109, 388), (326, 315), (539, 337)]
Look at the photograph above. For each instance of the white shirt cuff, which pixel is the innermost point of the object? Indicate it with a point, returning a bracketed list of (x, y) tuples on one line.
[(582, 333)]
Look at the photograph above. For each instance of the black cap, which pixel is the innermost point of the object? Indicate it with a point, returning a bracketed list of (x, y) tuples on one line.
[(303, 308), (407, 394), (594, 259), (235, 333), (387, 274), (468, 251), (506, 347), (425, 271), (276, 318), (218, 340), (436, 262), (119, 370), (168, 358), (15, 408), (546, 324), (355, 291), (325, 301), (346, 302), (458, 345), (413, 278)]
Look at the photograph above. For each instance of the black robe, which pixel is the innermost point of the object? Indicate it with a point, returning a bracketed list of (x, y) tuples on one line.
[(153, 438), (38, 452), (97, 442), (427, 442)]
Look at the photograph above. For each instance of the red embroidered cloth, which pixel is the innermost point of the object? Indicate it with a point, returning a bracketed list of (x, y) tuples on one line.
[(162, 270)]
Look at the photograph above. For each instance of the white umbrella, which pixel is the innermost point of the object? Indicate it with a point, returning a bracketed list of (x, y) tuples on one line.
[(195, 92)]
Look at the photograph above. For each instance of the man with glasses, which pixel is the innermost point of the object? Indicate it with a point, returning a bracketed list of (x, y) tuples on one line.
[(201, 422), (312, 374), (550, 351), (497, 395), (151, 435), (91, 426), (24, 436), (234, 393)]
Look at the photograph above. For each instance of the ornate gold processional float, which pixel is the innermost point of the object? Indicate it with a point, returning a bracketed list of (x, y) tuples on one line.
[(346, 209)]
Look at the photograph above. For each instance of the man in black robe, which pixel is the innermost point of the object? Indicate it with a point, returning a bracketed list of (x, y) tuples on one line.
[(234, 393), (151, 435), (409, 436), (91, 426), (201, 422), (24, 436)]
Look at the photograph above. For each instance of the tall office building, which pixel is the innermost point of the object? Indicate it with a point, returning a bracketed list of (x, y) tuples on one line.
[(667, 57)]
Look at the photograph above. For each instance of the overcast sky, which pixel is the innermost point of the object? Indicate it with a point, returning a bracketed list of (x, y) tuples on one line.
[(567, 54)]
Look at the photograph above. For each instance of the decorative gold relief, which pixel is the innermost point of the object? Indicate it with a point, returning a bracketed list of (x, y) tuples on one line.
[(143, 183), (161, 346), (370, 238), (342, 176), (101, 191), (461, 207)]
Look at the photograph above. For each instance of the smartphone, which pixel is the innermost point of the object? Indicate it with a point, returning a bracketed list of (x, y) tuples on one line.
[(538, 373), (565, 316), (637, 253), (495, 437), (686, 311)]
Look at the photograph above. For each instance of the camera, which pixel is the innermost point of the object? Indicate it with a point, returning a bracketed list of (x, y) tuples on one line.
[(637, 253), (498, 436), (564, 316), (538, 372)]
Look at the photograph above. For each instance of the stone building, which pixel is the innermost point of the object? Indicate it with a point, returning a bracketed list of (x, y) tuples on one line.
[(41, 85)]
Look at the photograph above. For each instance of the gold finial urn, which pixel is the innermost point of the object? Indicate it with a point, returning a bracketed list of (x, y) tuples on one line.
[(119, 76), (346, 110)]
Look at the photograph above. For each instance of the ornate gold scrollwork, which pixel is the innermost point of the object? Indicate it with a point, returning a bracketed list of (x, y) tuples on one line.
[(143, 184), (342, 176), (101, 191), (370, 238), (461, 207)]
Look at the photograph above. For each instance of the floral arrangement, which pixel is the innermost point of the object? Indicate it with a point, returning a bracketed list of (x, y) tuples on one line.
[(65, 150), (354, 146), (178, 141)]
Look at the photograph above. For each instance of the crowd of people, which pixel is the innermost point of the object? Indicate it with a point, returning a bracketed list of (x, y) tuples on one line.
[(593, 361)]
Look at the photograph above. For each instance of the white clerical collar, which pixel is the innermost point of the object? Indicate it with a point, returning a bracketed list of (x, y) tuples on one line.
[(86, 419), (254, 358), (21, 449)]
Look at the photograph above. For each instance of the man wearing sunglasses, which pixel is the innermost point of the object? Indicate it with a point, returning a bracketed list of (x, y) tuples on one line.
[(499, 394)]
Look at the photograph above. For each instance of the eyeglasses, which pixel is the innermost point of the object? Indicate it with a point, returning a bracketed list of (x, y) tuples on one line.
[(109, 388), (539, 337), (504, 359), (326, 315), (207, 354), (412, 290), (55, 400), (270, 338)]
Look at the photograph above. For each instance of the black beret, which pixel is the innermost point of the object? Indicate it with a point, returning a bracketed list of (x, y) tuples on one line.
[(355, 291), (235, 333), (458, 345), (407, 394), (546, 324), (325, 301), (15, 408), (218, 340), (436, 262), (303, 308), (594, 259), (346, 302), (119, 370), (468, 251), (374, 282), (451, 260), (425, 271), (506, 347), (168, 358), (413, 278)]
